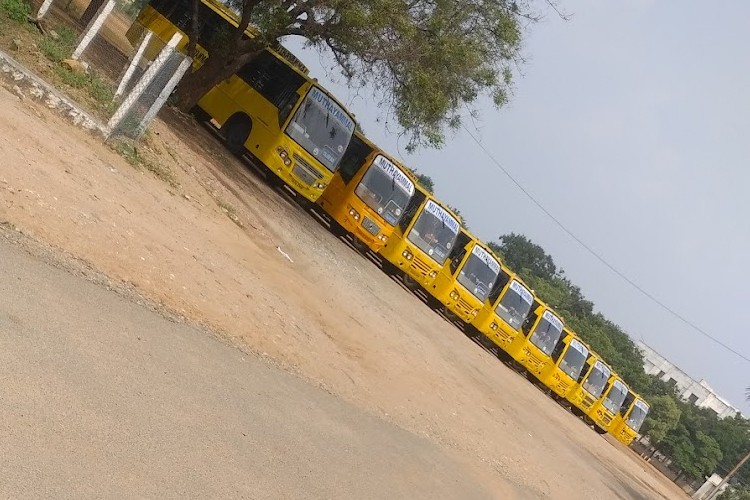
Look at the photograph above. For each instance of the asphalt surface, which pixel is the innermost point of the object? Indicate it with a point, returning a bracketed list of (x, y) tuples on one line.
[(100, 397)]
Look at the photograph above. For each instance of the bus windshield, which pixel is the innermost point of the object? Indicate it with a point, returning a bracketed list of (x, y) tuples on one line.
[(515, 304), (637, 415), (434, 232), (385, 189), (322, 127), (574, 359), (479, 272), (547, 333), (597, 379), (615, 396)]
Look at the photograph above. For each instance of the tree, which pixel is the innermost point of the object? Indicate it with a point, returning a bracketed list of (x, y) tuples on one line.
[(459, 215), (428, 60), (663, 416), (426, 182), (521, 254), (738, 492)]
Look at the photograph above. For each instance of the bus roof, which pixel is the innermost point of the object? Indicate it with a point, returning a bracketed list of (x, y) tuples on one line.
[(406, 170)]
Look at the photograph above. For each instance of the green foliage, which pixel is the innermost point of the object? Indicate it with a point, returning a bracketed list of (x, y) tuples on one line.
[(133, 8), (663, 417), (130, 152), (61, 48), (99, 89), (426, 182), (17, 10), (738, 492), (428, 61), (459, 215), (527, 258), (694, 438)]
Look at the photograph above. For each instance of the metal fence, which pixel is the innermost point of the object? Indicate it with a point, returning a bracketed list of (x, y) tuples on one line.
[(117, 70)]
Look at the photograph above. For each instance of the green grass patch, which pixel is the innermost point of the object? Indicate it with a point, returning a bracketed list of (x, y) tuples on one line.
[(17, 10), (59, 48), (129, 151)]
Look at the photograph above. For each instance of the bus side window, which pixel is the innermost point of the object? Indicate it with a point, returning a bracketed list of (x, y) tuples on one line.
[(458, 252), (274, 80), (354, 158), (526, 327), (411, 209), (559, 348), (530, 319), (589, 363), (502, 279), (626, 403)]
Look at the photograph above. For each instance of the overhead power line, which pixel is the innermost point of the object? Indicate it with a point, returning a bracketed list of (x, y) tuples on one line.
[(598, 257)]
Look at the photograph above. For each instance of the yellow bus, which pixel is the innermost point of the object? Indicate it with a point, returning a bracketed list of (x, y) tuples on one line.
[(270, 108), (602, 413), (507, 307), (285, 120), (629, 419), (466, 279), (215, 20), (540, 334), (421, 242), (590, 386), (367, 195), (568, 360)]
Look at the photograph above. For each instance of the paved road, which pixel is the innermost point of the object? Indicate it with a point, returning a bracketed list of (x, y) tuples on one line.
[(102, 398)]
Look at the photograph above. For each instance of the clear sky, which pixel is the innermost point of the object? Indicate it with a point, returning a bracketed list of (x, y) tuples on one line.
[(630, 123)]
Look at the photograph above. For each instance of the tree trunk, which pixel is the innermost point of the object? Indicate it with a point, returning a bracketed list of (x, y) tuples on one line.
[(91, 11), (195, 85)]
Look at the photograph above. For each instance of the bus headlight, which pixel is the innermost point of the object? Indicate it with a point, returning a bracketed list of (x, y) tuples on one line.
[(320, 185), (454, 295), (382, 237), (287, 161), (407, 254), (433, 274), (493, 326), (474, 313), (282, 152), (354, 214)]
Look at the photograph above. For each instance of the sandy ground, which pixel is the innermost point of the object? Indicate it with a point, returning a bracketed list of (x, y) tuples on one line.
[(222, 249), (102, 398)]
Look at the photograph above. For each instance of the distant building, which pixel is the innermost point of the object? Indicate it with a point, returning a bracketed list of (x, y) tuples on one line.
[(698, 393)]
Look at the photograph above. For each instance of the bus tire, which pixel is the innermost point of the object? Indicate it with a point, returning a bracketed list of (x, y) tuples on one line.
[(389, 268), (200, 115), (473, 333), (359, 245), (236, 131), (337, 229), (599, 430), (409, 282)]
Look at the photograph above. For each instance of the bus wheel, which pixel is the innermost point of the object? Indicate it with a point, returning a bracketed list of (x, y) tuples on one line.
[(389, 268), (599, 430), (200, 115), (409, 282), (359, 245), (337, 229), (236, 133), (473, 333)]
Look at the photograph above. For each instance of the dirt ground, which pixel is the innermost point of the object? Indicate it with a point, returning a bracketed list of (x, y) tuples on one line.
[(218, 247)]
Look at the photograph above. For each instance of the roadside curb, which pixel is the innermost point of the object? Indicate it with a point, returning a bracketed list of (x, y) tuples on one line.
[(18, 75)]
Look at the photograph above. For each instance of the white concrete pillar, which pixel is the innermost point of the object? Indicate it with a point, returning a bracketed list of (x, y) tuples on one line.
[(93, 28), (133, 64), (164, 94), (143, 83)]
